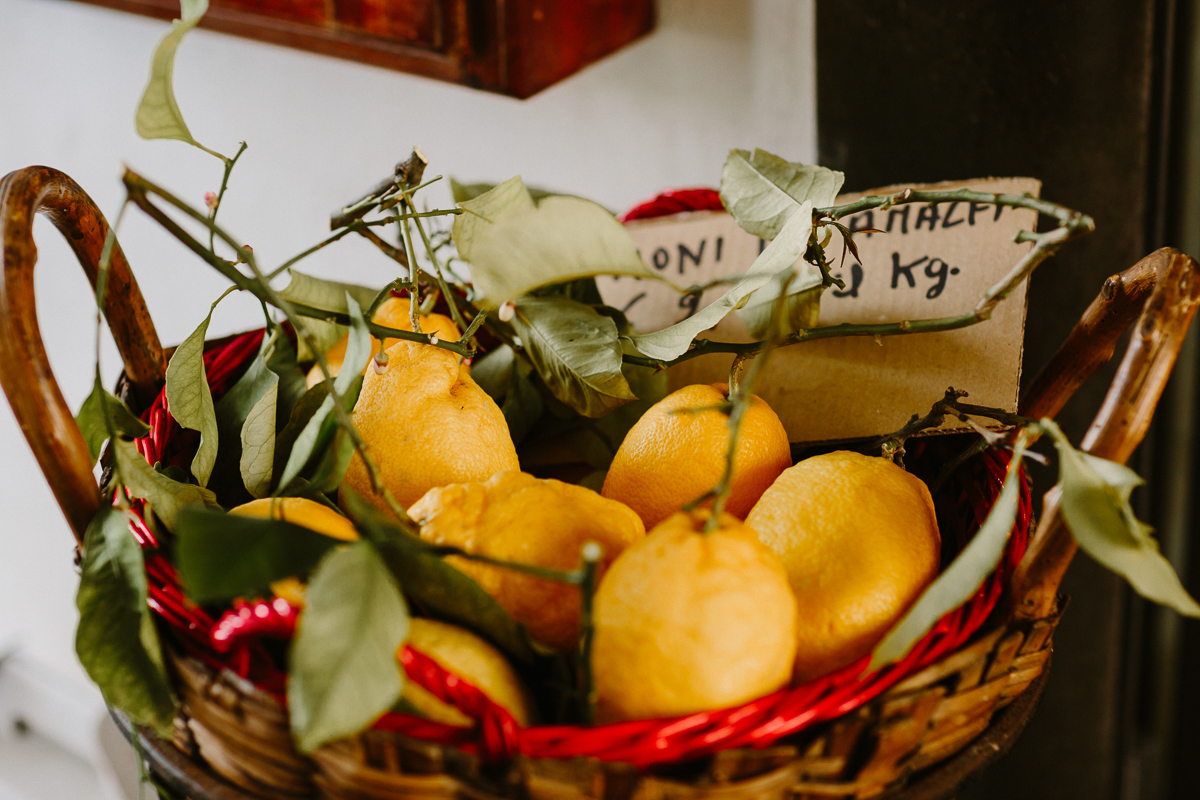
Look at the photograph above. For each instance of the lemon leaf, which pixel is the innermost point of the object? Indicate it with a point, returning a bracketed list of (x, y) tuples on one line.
[(116, 640), (246, 447), (1095, 506), (800, 310), (776, 258), (435, 585), (318, 431), (576, 352), (221, 556), (963, 577), (515, 246), (190, 399), (343, 671), (762, 191), (325, 295), (91, 420), (164, 495), (257, 438), (158, 115)]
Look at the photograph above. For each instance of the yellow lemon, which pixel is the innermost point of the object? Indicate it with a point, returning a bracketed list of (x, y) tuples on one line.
[(858, 536), (426, 424), (673, 455), (687, 621), (472, 659), (520, 518)]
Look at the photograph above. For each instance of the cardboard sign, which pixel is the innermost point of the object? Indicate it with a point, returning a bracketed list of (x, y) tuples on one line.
[(929, 261)]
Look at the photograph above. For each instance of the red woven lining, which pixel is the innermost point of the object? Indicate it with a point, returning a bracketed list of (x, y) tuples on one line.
[(676, 201), (495, 734)]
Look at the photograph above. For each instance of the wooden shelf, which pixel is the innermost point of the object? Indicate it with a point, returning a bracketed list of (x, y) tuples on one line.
[(513, 47)]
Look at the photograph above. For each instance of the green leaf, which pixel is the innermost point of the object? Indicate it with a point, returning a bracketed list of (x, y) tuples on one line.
[(257, 462), (158, 115), (325, 335), (91, 420), (959, 581), (1095, 506), (801, 308), (246, 450), (435, 585), (576, 352), (777, 257), (330, 470), (116, 640), (491, 372), (318, 432), (343, 668), (325, 295), (762, 191), (222, 556), (282, 359), (164, 495), (514, 247), (190, 399), (306, 408)]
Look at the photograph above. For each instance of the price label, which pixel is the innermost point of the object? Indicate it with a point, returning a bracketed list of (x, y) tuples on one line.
[(927, 261)]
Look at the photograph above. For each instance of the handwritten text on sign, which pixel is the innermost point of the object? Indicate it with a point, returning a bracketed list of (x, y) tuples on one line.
[(928, 261)]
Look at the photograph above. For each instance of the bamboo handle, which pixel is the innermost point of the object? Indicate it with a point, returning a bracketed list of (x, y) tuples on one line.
[(25, 373), (1169, 277)]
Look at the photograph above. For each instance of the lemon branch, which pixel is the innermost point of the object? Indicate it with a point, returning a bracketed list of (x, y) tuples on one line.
[(140, 189), (1072, 225), (212, 213)]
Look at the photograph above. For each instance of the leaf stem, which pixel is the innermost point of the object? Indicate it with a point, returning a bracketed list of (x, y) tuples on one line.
[(212, 215)]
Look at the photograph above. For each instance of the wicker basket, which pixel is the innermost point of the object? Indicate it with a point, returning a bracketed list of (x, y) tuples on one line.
[(863, 743)]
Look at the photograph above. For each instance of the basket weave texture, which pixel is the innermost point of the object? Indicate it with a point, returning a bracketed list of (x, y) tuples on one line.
[(847, 733)]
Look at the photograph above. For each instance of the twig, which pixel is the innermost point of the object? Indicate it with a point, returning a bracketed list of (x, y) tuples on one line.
[(139, 188), (212, 215)]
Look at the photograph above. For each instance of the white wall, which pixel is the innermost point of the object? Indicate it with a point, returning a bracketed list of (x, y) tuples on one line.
[(660, 114)]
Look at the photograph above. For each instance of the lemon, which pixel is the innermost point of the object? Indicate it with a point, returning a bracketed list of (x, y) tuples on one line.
[(517, 517), (470, 658), (687, 621), (673, 455), (426, 424), (858, 536)]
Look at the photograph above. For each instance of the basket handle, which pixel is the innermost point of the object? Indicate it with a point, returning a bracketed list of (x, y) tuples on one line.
[(1165, 288), (25, 373)]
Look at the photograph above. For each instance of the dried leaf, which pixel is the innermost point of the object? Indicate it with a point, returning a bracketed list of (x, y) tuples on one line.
[(762, 191), (514, 246), (777, 257), (1095, 506), (343, 671), (801, 308), (158, 115)]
